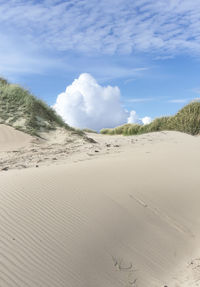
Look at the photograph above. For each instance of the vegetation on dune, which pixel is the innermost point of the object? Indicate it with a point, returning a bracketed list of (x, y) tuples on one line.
[(3, 81), (19, 108), (127, 129), (187, 120), (122, 130), (89, 131)]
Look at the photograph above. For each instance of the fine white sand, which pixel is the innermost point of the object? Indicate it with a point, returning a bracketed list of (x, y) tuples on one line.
[(12, 139), (128, 217)]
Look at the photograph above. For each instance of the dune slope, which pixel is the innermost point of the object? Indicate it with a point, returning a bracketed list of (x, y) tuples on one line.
[(11, 139), (129, 219)]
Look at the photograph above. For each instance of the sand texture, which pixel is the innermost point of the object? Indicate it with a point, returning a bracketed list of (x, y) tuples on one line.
[(127, 215), (11, 139)]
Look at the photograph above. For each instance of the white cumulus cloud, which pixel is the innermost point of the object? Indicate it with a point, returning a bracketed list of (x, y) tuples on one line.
[(86, 104), (146, 120), (134, 119)]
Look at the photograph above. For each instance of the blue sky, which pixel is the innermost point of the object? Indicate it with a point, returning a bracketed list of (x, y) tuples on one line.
[(149, 49)]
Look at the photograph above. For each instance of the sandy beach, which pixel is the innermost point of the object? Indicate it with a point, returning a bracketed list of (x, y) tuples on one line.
[(121, 212)]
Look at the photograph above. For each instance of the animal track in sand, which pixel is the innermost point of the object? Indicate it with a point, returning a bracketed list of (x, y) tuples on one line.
[(127, 268)]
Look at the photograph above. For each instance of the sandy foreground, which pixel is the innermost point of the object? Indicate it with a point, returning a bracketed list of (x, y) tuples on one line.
[(124, 211)]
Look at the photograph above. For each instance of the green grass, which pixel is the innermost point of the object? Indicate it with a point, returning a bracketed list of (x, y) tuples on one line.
[(89, 131), (127, 129), (187, 120), (17, 104), (3, 81)]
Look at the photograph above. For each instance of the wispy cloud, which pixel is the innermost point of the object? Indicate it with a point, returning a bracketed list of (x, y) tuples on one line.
[(139, 100), (19, 57), (164, 27), (110, 70), (196, 100), (179, 101)]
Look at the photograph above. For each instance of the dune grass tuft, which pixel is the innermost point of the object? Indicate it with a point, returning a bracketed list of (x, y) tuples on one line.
[(86, 130), (187, 120), (19, 108)]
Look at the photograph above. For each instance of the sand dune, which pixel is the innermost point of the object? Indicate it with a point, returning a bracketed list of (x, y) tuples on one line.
[(121, 219), (11, 139)]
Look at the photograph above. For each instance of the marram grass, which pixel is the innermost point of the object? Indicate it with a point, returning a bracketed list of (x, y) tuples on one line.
[(187, 120), (19, 108), (86, 130)]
